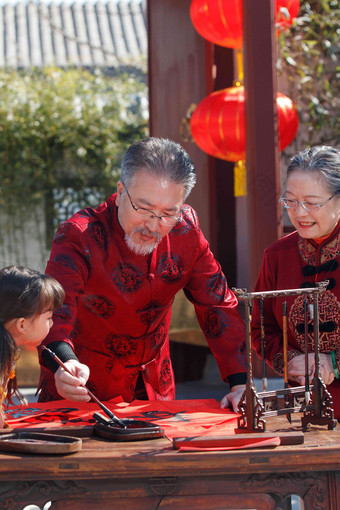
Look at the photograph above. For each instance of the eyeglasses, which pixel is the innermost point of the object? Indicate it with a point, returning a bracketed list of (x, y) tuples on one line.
[(167, 221), (288, 203)]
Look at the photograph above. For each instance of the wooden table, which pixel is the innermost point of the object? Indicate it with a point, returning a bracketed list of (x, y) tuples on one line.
[(150, 475)]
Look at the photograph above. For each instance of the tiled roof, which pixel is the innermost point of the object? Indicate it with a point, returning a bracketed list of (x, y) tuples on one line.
[(100, 34)]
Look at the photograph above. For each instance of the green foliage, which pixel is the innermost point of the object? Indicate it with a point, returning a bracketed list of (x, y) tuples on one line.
[(65, 130), (309, 60)]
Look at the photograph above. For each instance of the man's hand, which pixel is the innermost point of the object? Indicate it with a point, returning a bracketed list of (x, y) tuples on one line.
[(296, 368), (232, 399), (71, 386)]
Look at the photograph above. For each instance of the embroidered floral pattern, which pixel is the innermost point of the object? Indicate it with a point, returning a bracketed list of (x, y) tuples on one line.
[(328, 252), (62, 233), (120, 346), (65, 261), (130, 381), (63, 312), (182, 227), (127, 278), (98, 233), (165, 374), (108, 365), (215, 323), (329, 326), (86, 213), (171, 269), (76, 330), (99, 305), (241, 355), (150, 311), (216, 286), (278, 361), (158, 339)]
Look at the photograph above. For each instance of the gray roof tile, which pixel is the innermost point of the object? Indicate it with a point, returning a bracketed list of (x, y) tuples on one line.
[(100, 34)]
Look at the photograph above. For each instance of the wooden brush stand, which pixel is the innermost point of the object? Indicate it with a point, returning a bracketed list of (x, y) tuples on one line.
[(313, 400)]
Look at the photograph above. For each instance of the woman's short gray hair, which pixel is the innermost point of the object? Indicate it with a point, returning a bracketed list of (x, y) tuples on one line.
[(321, 159), (159, 157)]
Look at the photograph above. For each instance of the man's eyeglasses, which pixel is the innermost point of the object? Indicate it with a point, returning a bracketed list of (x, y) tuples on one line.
[(288, 203), (167, 221)]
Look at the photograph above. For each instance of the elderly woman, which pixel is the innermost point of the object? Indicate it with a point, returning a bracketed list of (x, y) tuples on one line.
[(301, 259)]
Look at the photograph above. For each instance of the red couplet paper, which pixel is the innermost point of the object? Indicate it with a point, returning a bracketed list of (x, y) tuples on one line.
[(178, 418), (232, 442)]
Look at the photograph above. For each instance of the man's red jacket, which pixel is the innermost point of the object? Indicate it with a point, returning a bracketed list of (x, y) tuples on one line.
[(116, 314)]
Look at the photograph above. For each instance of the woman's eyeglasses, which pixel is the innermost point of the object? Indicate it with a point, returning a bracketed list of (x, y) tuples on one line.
[(288, 203)]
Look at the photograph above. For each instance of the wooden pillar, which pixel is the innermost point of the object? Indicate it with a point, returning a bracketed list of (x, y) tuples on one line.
[(224, 170), (262, 152), (180, 64), (183, 69)]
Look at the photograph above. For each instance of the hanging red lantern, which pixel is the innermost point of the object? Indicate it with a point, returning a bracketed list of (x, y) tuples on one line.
[(218, 123), (288, 120), (220, 21)]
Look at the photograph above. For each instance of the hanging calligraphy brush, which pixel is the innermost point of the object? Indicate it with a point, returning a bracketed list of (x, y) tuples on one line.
[(307, 392), (285, 355), (263, 347)]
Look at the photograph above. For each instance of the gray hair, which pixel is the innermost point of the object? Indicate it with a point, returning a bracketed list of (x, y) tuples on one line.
[(321, 159), (161, 157)]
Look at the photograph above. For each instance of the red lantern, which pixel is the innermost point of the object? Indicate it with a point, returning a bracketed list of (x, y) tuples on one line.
[(288, 120), (220, 21), (218, 125)]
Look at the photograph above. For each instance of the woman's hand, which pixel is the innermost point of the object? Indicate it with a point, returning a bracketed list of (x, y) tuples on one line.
[(232, 399), (70, 386), (326, 368), (296, 368)]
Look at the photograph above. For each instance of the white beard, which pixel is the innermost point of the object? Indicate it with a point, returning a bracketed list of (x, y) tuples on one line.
[(142, 248)]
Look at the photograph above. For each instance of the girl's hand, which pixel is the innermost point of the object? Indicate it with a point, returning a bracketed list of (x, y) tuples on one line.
[(71, 386), (2, 420)]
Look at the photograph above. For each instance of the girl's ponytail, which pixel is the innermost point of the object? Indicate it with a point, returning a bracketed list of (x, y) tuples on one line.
[(9, 353)]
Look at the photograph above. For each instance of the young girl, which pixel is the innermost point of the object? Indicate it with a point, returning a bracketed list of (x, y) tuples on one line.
[(27, 301)]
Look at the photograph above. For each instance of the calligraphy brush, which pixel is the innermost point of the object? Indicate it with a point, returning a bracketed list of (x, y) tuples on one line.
[(285, 354), (107, 411), (307, 392), (263, 347)]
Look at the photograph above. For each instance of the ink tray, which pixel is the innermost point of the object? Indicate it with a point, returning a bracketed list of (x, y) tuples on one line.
[(40, 443), (135, 430)]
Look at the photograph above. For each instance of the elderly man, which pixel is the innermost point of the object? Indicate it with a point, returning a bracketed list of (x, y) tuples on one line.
[(121, 266)]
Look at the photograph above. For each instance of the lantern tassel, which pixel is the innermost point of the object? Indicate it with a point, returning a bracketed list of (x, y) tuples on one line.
[(239, 63), (240, 179)]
